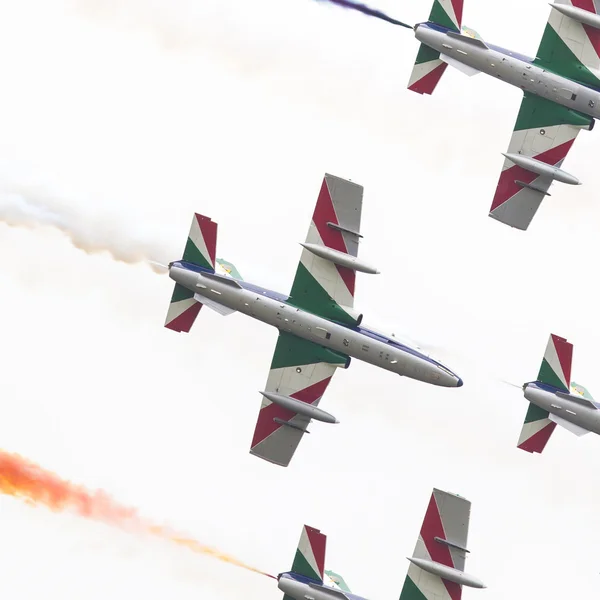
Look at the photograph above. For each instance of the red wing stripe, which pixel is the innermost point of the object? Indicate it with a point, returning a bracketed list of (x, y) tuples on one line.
[(265, 424), (507, 188), (349, 278), (585, 4), (432, 527), (324, 213), (594, 37)]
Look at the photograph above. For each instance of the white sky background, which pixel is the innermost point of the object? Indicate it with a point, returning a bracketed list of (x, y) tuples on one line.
[(140, 113)]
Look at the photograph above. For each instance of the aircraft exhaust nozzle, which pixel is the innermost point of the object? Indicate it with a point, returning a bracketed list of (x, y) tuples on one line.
[(300, 408), (448, 573)]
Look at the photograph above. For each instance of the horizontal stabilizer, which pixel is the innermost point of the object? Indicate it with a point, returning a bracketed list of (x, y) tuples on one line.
[(466, 69), (578, 431), (336, 580), (224, 267), (216, 306)]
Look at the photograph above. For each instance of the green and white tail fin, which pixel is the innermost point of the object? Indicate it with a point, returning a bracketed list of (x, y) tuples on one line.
[(309, 559), (200, 250), (555, 371), (536, 430), (429, 67)]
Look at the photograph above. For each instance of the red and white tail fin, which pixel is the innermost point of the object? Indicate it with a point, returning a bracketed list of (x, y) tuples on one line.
[(200, 250), (309, 559), (429, 67)]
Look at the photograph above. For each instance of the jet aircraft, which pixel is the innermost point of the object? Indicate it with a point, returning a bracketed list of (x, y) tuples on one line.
[(561, 93), (319, 329), (554, 399), (437, 565)]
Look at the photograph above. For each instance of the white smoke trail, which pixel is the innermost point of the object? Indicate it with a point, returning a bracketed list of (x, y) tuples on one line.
[(92, 236)]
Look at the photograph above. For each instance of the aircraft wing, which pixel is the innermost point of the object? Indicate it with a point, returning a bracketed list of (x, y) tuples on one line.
[(302, 370), (536, 430), (544, 131), (443, 540), (321, 286), (570, 48)]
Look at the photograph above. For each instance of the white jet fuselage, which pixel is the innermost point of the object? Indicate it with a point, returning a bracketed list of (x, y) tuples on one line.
[(355, 342), (512, 68), (571, 410)]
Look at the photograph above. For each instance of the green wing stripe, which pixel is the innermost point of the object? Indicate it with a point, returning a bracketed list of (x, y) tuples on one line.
[(291, 351), (535, 413), (548, 376), (410, 591), (440, 17), (308, 294), (538, 112), (554, 55)]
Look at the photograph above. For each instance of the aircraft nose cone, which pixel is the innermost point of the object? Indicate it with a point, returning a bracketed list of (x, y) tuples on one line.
[(459, 383)]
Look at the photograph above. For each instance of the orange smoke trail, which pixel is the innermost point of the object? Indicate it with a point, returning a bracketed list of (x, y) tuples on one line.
[(31, 483)]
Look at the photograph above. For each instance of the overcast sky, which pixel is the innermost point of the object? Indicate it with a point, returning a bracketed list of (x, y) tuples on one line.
[(131, 115)]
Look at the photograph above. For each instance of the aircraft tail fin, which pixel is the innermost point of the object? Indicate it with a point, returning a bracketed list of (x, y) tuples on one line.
[(536, 431), (429, 67), (200, 250), (555, 369), (309, 559), (427, 72), (447, 13), (201, 245)]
